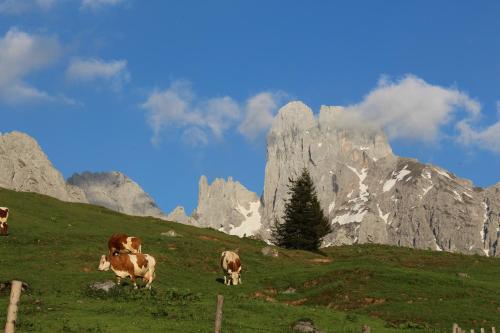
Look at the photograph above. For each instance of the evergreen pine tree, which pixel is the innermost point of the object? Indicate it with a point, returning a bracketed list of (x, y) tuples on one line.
[(304, 224)]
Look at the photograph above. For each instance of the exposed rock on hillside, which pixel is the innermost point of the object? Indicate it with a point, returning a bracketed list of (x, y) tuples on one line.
[(116, 191), (25, 167)]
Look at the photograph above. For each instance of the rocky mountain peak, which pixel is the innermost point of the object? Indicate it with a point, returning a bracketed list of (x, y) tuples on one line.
[(116, 191), (294, 116), (25, 167), (179, 215), (369, 194), (225, 205)]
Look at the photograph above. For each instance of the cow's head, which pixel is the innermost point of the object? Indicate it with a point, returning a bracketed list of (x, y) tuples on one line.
[(104, 264), (4, 212), (235, 276)]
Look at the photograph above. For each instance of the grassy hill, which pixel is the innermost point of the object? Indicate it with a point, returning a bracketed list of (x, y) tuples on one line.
[(55, 247)]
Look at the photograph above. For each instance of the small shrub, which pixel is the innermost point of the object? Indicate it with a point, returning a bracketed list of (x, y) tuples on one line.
[(351, 317)]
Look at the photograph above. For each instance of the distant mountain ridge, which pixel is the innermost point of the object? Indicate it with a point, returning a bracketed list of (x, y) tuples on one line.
[(369, 194), (25, 167), (116, 191)]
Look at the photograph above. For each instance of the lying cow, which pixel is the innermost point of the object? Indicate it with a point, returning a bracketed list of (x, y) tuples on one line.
[(231, 265), (121, 243), (4, 215), (133, 265)]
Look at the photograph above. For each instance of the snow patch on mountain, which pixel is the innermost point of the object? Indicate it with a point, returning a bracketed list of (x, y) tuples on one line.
[(381, 215), (252, 224), (396, 177)]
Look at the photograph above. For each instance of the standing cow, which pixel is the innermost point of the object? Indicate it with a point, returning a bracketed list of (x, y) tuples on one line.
[(121, 243), (4, 215), (131, 265), (231, 265)]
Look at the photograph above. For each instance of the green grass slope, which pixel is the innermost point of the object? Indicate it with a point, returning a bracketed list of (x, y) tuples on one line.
[(55, 247)]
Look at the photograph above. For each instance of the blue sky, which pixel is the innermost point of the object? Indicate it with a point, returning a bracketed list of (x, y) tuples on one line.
[(166, 91)]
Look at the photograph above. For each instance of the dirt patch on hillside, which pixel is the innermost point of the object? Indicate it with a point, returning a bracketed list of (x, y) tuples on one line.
[(321, 260), (263, 295), (209, 238), (296, 302), (172, 246)]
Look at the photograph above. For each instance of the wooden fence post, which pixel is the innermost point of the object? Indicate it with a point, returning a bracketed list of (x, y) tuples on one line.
[(365, 329), (15, 294), (482, 330), (218, 313), (493, 330)]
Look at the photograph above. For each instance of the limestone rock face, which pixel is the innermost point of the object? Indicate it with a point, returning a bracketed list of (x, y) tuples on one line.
[(227, 206), (369, 194), (490, 231), (298, 140), (25, 167), (116, 191)]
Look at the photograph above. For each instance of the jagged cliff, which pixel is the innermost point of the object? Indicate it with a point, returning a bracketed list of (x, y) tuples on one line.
[(371, 195), (224, 205)]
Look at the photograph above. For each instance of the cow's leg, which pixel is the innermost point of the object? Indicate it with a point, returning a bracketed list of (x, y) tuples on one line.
[(225, 279), (150, 277), (133, 281), (118, 280), (150, 280)]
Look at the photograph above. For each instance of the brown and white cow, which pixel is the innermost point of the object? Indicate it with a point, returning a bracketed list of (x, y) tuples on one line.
[(121, 243), (131, 265), (231, 265), (4, 215)]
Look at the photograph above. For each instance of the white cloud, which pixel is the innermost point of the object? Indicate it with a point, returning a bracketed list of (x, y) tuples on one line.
[(414, 109), (195, 137), (16, 7), (21, 54), (487, 138), (115, 71), (259, 114), (178, 107), (220, 114), (171, 107), (411, 108), (97, 4)]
